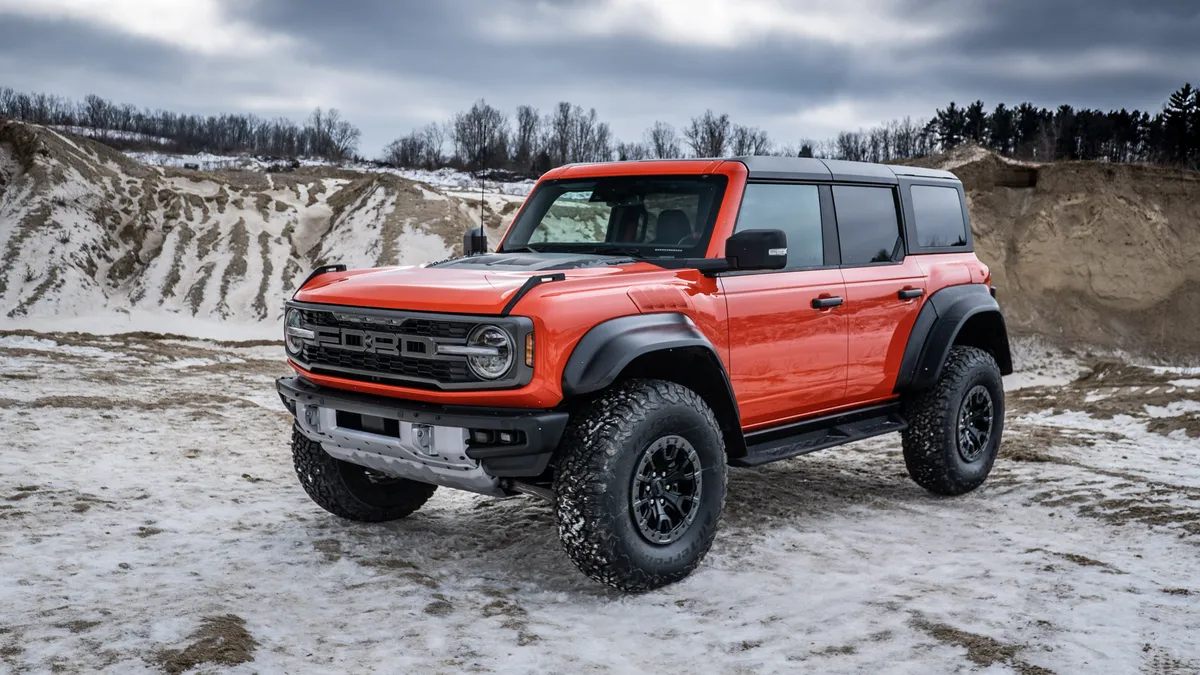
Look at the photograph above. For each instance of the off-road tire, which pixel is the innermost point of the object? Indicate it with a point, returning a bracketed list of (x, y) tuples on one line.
[(931, 441), (595, 465), (345, 490)]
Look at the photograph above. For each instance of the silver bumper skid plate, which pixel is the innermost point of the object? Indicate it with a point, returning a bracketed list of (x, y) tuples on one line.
[(427, 443)]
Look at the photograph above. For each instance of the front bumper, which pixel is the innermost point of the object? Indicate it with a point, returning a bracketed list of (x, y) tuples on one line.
[(422, 441)]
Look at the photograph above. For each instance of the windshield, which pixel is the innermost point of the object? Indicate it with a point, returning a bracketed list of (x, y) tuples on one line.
[(640, 216)]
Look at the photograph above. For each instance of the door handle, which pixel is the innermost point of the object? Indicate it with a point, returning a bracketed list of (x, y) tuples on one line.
[(826, 303), (910, 293)]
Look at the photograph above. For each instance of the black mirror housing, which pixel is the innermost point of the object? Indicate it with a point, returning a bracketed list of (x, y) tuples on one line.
[(757, 250), (475, 241)]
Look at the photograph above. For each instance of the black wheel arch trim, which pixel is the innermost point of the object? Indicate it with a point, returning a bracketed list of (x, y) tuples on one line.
[(609, 347), (938, 324)]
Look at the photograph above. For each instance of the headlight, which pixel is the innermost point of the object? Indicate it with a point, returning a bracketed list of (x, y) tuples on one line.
[(493, 352), (293, 334)]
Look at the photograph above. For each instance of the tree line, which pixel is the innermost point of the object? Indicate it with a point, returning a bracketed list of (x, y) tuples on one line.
[(323, 134), (1170, 136), (484, 138), (532, 141)]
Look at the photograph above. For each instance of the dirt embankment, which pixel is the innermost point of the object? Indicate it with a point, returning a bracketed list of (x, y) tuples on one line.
[(85, 229), (1088, 252)]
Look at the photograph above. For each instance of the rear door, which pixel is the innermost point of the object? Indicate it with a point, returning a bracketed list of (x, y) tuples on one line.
[(884, 287), (787, 328)]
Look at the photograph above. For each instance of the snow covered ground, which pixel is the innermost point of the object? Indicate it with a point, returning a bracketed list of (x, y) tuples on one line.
[(443, 178), (150, 520)]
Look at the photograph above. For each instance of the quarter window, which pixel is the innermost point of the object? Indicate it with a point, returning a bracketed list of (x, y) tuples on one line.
[(939, 215), (795, 209), (868, 224)]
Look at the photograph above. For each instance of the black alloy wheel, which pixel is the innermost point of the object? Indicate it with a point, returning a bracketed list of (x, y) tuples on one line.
[(666, 490), (975, 423)]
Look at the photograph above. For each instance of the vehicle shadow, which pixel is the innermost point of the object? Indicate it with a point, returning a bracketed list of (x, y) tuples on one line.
[(513, 542)]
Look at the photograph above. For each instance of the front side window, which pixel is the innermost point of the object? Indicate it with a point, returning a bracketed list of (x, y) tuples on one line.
[(647, 216), (939, 216), (795, 209), (868, 224)]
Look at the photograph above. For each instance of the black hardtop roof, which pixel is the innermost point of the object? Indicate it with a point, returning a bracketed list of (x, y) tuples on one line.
[(810, 168)]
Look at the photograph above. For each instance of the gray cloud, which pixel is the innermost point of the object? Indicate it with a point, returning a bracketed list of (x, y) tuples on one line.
[(392, 66), (37, 49)]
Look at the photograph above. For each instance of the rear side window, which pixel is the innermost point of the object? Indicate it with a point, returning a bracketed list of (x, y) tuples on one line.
[(868, 224), (795, 209), (939, 215)]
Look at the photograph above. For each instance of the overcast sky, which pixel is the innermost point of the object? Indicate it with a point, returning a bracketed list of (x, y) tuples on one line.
[(800, 69)]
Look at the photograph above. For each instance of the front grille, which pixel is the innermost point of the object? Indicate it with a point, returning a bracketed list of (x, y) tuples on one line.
[(413, 367), (384, 366), (450, 330)]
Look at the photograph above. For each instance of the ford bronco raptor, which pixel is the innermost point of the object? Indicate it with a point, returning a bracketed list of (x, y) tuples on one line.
[(642, 326)]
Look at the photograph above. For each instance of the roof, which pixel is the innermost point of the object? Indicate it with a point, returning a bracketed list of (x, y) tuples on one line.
[(809, 168), (763, 167)]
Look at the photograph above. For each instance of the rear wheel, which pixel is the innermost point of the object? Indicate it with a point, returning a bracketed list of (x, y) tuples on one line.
[(954, 428), (351, 491), (640, 485)]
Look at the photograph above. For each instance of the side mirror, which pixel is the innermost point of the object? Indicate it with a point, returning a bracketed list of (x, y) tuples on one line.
[(757, 250), (474, 241)]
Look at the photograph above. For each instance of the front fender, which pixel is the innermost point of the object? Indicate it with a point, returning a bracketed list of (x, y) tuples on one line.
[(609, 347)]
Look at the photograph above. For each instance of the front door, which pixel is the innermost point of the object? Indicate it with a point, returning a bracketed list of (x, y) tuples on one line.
[(787, 328)]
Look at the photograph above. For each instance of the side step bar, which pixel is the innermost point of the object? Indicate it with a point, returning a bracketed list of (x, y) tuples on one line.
[(799, 438)]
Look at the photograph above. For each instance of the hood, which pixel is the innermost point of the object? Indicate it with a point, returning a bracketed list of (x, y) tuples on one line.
[(477, 285)]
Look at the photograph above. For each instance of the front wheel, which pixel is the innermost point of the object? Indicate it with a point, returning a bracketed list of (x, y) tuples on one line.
[(954, 428), (351, 491), (640, 485)]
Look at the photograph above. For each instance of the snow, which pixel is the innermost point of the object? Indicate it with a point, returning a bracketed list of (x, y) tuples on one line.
[(430, 195), (1174, 409), (417, 247), (1038, 364), (110, 323), (111, 134), (442, 178), (148, 501)]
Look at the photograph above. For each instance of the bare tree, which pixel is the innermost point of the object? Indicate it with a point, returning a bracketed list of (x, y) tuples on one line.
[(572, 135), (749, 141), (850, 145), (420, 149), (95, 113), (708, 134), (7, 97), (480, 136), (525, 138), (632, 152), (558, 134), (662, 142)]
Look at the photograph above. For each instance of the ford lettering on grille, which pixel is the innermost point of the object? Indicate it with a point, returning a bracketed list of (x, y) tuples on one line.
[(375, 342)]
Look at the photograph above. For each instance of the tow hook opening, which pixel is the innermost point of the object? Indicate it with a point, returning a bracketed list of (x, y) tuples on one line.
[(509, 485), (312, 417)]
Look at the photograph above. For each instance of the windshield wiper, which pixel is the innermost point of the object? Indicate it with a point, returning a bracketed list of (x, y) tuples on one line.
[(618, 250), (518, 249)]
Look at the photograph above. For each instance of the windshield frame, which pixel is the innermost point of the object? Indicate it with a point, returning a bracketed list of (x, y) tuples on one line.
[(537, 206)]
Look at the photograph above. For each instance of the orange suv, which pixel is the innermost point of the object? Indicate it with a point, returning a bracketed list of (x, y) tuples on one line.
[(642, 326)]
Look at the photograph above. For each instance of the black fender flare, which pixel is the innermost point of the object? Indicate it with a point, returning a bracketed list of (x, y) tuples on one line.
[(936, 328), (610, 346)]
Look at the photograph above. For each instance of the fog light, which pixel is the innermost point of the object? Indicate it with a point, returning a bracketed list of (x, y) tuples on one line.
[(508, 437), (482, 436)]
